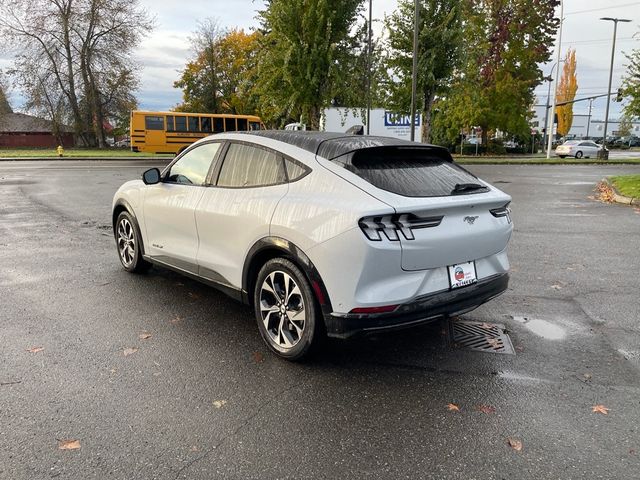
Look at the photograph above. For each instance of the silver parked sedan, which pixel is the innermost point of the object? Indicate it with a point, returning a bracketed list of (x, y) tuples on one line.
[(578, 149)]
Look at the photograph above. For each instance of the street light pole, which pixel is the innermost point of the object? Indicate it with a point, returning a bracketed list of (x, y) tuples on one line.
[(589, 121), (613, 52), (414, 75), (555, 85), (546, 113), (369, 65)]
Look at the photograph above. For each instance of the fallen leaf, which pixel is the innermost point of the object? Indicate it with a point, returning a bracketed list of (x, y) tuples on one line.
[(195, 449), (177, 319), (144, 335), (515, 444), (486, 409), (35, 349), (258, 357), (587, 376), (486, 326), (453, 407), (519, 348), (600, 409), (69, 445), (495, 343), (195, 296), (556, 287), (219, 403), (129, 351)]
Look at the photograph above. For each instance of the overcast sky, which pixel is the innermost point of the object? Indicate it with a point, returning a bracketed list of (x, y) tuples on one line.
[(164, 53)]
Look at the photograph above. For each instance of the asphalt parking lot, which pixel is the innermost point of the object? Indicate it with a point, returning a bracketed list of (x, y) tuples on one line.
[(157, 376)]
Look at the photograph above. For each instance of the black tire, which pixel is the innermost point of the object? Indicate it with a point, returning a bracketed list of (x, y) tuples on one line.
[(128, 240), (578, 154), (562, 156), (304, 335)]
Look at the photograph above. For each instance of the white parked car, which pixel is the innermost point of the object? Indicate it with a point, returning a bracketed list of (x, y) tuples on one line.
[(321, 233), (578, 149)]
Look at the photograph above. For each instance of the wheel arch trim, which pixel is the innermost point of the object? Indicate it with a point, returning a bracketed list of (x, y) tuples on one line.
[(292, 251)]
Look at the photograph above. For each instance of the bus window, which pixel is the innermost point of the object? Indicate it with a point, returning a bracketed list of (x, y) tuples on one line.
[(242, 124), (193, 124), (206, 124), (254, 125), (218, 124), (170, 127), (229, 124), (181, 124), (153, 123)]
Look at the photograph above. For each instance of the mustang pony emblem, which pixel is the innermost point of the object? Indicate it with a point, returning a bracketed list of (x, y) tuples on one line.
[(470, 220)]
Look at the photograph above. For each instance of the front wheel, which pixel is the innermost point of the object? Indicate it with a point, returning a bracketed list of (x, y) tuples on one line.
[(285, 309), (578, 154), (129, 243), (562, 156)]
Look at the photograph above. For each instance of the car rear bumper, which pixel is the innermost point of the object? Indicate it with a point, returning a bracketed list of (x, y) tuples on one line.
[(422, 310)]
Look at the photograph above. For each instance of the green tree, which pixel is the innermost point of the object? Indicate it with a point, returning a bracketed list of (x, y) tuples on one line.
[(220, 77), (5, 106), (505, 41), (439, 49), (631, 85), (300, 68)]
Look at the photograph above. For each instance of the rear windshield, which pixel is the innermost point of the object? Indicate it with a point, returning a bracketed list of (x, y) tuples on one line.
[(411, 172)]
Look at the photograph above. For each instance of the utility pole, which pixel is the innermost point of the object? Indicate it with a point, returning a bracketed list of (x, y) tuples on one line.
[(555, 84), (589, 121), (414, 76), (369, 64), (546, 113), (613, 52)]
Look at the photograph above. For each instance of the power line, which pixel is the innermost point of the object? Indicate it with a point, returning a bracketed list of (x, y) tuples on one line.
[(602, 8)]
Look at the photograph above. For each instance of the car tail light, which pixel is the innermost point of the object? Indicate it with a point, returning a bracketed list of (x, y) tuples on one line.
[(371, 310), (390, 225), (503, 211)]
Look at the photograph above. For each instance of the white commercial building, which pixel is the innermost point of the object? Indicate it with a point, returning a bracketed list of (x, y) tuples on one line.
[(383, 122), (583, 125)]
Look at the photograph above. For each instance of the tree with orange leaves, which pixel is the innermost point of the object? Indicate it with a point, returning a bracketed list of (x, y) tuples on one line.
[(566, 92)]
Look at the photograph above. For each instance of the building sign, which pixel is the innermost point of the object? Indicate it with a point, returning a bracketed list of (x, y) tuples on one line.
[(400, 120)]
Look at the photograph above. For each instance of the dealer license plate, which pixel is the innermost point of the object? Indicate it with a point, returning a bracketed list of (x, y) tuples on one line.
[(462, 274)]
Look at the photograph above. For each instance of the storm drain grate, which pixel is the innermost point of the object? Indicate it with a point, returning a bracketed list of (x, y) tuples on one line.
[(481, 337)]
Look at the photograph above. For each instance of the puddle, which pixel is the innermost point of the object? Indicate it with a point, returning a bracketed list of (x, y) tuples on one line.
[(542, 328)]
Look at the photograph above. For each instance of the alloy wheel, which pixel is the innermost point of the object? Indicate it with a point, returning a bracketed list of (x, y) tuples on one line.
[(283, 310), (126, 242)]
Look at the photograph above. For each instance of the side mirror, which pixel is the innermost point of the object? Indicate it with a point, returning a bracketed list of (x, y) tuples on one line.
[(151, 176)]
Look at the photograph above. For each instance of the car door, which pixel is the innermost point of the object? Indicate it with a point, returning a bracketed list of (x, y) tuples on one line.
[(236, 212), (169, 208)]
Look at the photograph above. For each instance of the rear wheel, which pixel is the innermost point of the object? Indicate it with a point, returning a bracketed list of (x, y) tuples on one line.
[(578, 154), (285, 309), (129, 243)]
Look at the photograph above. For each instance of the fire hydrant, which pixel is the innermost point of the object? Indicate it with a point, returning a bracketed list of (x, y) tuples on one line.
[(60, 151)]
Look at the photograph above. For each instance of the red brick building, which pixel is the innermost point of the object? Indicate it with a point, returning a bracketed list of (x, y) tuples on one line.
[(20, 130)]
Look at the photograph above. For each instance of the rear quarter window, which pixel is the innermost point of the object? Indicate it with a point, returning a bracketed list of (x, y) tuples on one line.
[(411, 172)]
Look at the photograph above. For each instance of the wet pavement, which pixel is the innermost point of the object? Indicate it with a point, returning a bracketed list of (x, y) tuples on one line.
[(201, 397)]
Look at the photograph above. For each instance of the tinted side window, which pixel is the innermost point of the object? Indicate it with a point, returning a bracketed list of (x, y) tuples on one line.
[(247, 166), (193, 124), (152, 122), (294, 170), (242, 124), (193, 167), (170, 123), (206, 124), (229, 124), (218, 124), (181, 124)]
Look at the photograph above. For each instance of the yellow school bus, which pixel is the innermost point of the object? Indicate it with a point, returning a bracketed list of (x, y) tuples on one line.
[(172, 132)]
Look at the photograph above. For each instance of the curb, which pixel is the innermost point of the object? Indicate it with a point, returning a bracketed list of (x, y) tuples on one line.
[(618, 198)]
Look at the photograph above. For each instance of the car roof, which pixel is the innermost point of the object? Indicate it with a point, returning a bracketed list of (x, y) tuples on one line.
[(331, 145)]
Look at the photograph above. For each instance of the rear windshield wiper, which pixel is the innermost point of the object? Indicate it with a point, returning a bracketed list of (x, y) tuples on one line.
[(467, 187)]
